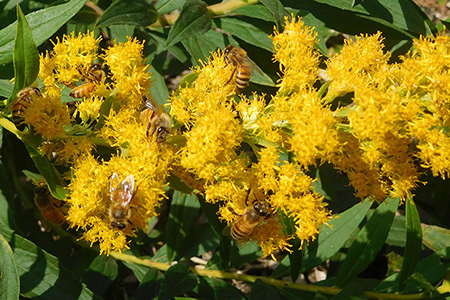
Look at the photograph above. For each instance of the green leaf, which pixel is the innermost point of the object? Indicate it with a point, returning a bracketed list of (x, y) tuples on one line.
[(167, 6), (353, 291), (105, 108), (397, 233), (150, 284), (368, 242), (159, 89), (338, 15), (178, 184), (43, 23), (6, 88), (437, 239), (52, 177), (184, 211), (9, 278), (41, 274), (413, 242), (7, 219), (193, 20), (201, 46), (252, 31), (257, 11), (178, 281), (26, 57), (106, 266), (128, 12), (101, 273), (215, 288), (202, 241), (223, 257), (277, 10), (138, 270), (417, 280), (263, 291), (295, 259), (332, 238), (356, 2)]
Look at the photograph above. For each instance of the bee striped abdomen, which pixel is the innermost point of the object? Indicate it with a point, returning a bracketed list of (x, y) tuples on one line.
[(242, 78)]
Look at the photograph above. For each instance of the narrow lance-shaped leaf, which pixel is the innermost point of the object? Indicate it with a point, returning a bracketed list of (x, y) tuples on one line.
[(26, 57), (369, 241), (413, 242), (41, 272), (193, 20), (52, 177), (333, 237), (178, 280), (43, 23), (184, 212), (277, 10), (128, 12), (9, 279)]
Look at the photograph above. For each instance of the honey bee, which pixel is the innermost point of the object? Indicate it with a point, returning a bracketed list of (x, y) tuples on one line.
[(24, 98), (49, 206), (157, 119), (121, 194), (95, 75), (242, 66), (242, 228)]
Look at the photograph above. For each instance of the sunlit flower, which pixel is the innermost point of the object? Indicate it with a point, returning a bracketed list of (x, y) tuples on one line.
[(295, 51), (48, 115), (359, 63), (130, 74)]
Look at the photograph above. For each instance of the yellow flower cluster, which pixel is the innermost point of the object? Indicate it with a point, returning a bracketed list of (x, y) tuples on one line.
[(72, 139), (251, 153)]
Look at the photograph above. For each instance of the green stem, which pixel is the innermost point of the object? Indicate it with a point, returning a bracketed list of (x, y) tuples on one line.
[(271, 281), (214, 10)]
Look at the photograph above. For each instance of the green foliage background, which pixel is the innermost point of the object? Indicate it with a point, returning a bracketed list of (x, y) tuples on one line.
[(383, 252)]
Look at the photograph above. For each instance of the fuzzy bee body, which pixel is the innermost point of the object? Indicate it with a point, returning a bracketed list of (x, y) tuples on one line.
[(242, 228), (157, 120), (121, 194), (24, 98), (94, 76), (242, 66), (49, 206)]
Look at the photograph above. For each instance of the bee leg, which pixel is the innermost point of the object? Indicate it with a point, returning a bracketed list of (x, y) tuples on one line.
[(246, 197), (233, 211), (231, 77)]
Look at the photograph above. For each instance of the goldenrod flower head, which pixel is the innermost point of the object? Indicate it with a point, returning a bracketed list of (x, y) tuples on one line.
[(48, 115), (67, 150), (89, 201), (89, 109), (71, 53), (46, 69), (250, 110), (208, 91), (314, 135), (295, 50), (359, 63), (211, 142), (130, 74)]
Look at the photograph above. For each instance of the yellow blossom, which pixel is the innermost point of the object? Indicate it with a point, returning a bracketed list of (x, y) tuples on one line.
[(130, 74), (359, 63), (295, 50), (48, 115)]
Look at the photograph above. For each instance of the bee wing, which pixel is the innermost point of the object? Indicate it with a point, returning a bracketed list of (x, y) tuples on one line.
[(257, 75), (114, 182), (128, 185), (226, 231), (150, 102)]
